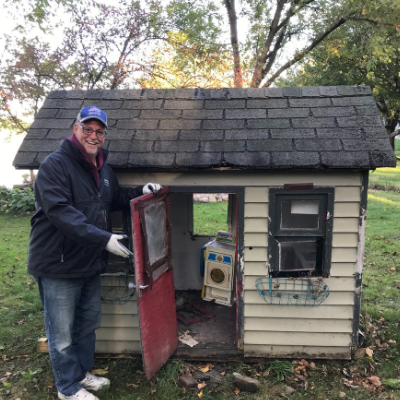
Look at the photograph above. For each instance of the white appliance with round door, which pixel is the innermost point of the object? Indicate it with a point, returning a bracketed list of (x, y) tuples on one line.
[(219, 272)]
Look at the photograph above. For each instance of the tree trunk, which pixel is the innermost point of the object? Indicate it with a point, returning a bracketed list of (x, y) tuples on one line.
[(237, 68), (391, 125)]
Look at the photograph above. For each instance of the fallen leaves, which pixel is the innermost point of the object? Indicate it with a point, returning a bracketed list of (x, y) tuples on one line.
[(363, 351), (375, 380), (301, 369), (237, 391), (201, 385), (99, 371), (206, 368)]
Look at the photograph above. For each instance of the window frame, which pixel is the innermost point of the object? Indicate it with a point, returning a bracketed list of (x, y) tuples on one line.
[(324, 232)]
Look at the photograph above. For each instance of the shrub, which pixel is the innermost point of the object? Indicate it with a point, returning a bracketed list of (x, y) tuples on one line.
[(16, 201)]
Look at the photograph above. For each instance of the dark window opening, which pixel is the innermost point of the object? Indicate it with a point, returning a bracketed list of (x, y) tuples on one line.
[(300, 214), (300, 228)]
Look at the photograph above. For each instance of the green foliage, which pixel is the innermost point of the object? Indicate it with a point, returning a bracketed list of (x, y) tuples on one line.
[(16, 201), (5, 198), (280, 369), (31, 374), (358, 54)]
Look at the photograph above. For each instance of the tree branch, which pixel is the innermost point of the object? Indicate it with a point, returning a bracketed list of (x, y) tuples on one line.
[(394, 134), (15, 119), (237, 68), (299, 56), (272, 55), (291, 12), (256, 79)]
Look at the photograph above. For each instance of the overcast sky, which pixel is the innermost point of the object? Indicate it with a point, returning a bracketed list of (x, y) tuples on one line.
[(8, 174)]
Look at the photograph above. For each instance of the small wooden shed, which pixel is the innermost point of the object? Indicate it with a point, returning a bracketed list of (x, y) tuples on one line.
[(295, 164)]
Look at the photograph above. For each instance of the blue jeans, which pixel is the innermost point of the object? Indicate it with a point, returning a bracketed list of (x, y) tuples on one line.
[(72, 312)]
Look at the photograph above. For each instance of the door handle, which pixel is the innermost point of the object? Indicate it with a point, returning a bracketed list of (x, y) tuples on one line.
[(141, 287)]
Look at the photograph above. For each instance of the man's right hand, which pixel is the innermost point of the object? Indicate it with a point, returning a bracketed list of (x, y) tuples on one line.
[(113, 246)]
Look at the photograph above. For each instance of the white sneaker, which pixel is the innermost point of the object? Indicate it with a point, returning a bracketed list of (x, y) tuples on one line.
[(93, 382), (83, 394)]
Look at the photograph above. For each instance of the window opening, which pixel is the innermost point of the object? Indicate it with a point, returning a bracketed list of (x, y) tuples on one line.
[(155, 217), (210, 213), (300, 214), (301, 234)]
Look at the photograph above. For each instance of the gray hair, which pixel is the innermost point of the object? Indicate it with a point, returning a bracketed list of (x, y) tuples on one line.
[(78, 118)]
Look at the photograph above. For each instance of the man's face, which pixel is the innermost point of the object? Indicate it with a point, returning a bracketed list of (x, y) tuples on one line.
[(91, 143)]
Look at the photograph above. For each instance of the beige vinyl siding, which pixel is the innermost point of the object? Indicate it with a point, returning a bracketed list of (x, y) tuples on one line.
[(279, 330), (252, 179), (302, 325), (119, 329), (341, 269), (334, 298)]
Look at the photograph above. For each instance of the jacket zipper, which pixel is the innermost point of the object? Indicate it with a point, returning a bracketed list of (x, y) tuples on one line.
[(62, 250)]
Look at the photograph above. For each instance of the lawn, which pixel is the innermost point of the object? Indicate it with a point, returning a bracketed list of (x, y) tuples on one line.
[(29, 373), (386, 178), (209, 218)]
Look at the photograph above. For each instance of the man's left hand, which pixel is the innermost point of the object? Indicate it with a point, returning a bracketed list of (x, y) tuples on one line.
[(151, 188)]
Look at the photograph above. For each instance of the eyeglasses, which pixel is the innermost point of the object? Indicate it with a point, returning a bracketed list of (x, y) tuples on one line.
[(99, 132)]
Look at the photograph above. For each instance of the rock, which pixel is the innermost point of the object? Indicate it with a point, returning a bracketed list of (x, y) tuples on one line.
[(212, 199), (245, 383), (187, 381), (342, 395), (289, 390), (180, 302), (203, 199)]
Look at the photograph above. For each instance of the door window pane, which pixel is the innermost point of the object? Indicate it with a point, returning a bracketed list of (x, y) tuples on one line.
[(155, 218), (297, 256), (300, 214)]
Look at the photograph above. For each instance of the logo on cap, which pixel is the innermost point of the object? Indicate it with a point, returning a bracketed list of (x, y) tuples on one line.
[(93, 112)]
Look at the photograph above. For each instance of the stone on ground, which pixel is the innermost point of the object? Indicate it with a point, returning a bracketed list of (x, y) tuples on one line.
[(187, 381), (245, 383)]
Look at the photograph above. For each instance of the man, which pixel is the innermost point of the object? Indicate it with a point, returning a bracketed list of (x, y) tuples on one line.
[(75, 192)]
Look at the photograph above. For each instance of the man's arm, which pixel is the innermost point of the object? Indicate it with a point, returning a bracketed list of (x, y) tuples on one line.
[(54, 198), (123, 195)]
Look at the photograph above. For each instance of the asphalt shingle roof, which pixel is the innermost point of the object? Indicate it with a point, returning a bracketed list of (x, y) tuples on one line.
[(267, 128)]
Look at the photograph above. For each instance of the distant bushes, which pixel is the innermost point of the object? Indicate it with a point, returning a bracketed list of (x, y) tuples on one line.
[(16, 201)]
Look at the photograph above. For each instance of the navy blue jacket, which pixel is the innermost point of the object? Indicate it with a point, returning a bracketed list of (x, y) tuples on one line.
[(72, 223)]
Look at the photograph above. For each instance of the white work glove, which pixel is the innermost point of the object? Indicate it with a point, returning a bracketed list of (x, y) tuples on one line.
[(151, 188), (113, 246)]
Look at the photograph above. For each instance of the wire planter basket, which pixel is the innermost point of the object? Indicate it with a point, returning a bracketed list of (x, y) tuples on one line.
[(304, 292), (119, 294)]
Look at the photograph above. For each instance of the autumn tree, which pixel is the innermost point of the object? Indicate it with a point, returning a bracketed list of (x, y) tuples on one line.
[(359, 54), (275, 24), (100, 47)]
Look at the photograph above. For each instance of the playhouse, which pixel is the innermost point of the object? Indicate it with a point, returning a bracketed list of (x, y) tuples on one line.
[(294, 163)]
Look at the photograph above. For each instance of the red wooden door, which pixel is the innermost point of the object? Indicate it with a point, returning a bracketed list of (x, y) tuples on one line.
[(153, 270)]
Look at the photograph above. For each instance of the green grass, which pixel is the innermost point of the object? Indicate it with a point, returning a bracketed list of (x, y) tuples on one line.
[(386, 176), (382, 285), (21, 323), (209, 218), (397, 148)]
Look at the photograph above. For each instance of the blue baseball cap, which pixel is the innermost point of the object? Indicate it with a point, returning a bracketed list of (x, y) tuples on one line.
[(93, 112)]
